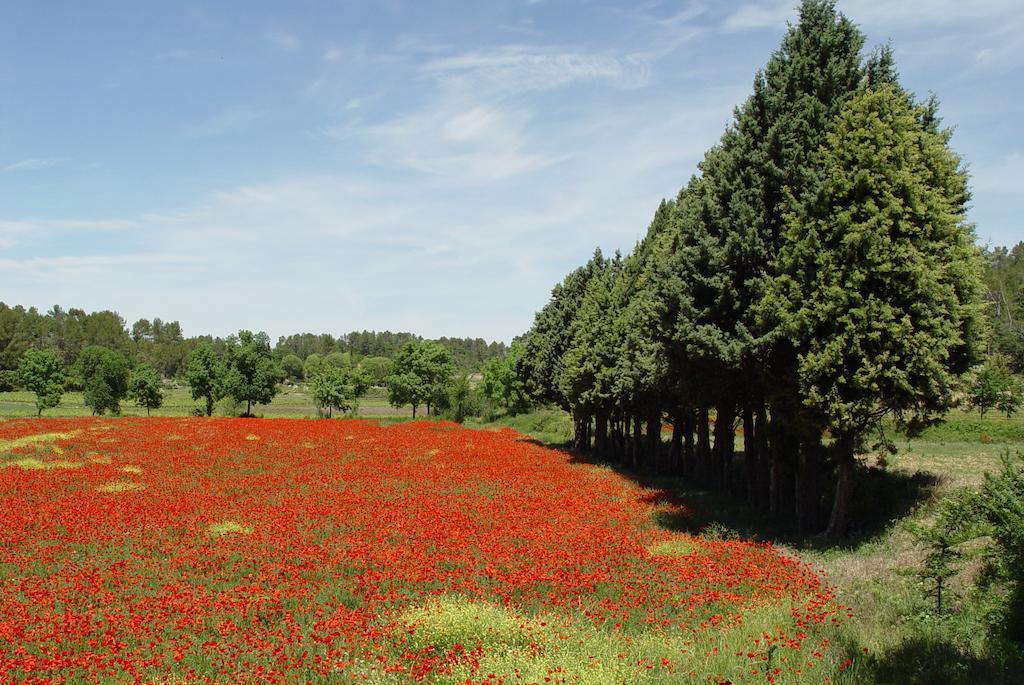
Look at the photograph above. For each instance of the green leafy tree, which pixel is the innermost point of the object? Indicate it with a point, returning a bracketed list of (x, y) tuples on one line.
[(203, 376), (461, 400), (880, 289), (104, 375), (586, 375), (250, 373), (340, 360), (993, 387), (144, 388), (377, 368), (1010, 401), (421, 374), (501, 383), (958, 521), (313, 365), (1002, 504), (546, 343), (42, 372), (406, 389), (292, 367), (333, 388)]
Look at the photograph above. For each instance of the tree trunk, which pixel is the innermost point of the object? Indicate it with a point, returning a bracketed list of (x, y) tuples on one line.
[(600, 435), (209, 405), (839, 522), (750, 454), (577, 430), (248, 407), (642, 460), (414, 411), (761, 446), (808, 487), (654, 441), (676, 450), (703, 456), (783, 449), (689, 451), (725, 445)]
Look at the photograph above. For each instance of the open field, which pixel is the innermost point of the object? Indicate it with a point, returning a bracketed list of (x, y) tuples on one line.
[(292, 402), (195, 550)]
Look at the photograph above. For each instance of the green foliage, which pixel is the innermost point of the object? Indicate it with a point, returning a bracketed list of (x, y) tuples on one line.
[(104, 375), (462, 400), (546, 343), (42, 372), (250, 373), (314, 364), (339, 360), (292, 367), (1002, 504), (332, 388), (586, 376), (377, 368), (501, 383), (203, 376), (994, 387), (879, 286), (956, 523), (1004, 281), (421, 374), (144, 388)]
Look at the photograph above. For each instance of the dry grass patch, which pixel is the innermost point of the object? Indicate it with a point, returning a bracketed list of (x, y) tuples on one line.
[(33, 464), (676, 547), (228, 528), (97, 458), (131, 469), (36, 439), (121, 486), (252, 437)]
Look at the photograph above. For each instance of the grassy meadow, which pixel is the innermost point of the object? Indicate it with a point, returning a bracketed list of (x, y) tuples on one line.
[(294, 401)]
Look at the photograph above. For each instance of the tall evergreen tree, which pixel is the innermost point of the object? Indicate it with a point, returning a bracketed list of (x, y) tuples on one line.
[(879, 287)]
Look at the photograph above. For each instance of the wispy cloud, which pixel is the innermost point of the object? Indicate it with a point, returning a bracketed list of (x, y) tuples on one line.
[(283, 40), (234, 119), (458, 141), (32, 164), (772, 14), (517, 68), (96, 261)]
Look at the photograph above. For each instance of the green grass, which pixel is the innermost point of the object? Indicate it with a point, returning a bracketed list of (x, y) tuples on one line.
[(291, 402), (549, 426)]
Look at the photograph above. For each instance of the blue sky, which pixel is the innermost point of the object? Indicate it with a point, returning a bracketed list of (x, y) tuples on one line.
[(434, 167)]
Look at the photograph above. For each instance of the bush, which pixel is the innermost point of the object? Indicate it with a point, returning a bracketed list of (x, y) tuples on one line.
[(1002, 504)]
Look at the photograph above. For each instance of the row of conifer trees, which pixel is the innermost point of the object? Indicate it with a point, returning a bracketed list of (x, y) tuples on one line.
[(814, 283)]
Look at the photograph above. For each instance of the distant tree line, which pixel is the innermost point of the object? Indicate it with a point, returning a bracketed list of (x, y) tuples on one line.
[(161, 344), (468, 354), (816, 277)]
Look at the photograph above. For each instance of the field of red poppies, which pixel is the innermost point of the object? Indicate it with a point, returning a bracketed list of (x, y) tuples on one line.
[(226, 550)]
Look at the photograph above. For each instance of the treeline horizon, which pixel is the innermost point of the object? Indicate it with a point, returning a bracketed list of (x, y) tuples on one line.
[(162, 345)]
